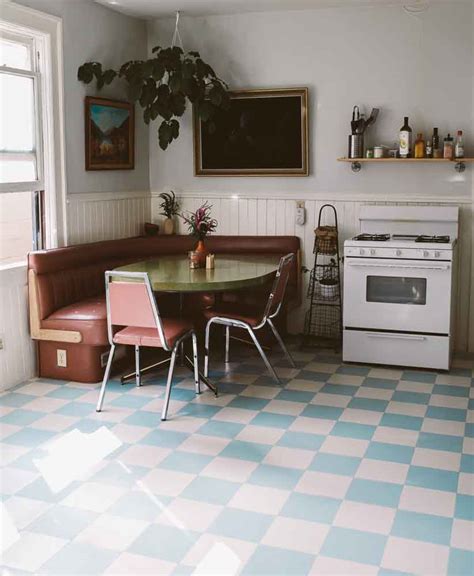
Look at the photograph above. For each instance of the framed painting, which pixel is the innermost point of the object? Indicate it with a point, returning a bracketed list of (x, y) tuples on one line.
[(110, 134), (264, 133)]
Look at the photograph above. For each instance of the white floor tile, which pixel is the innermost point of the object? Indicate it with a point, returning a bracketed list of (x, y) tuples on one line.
[(14, 479), (415, 557), (112, 532), (361, 416), (227, 555), (167, 482), (466, 483), (449, 401), (130, 434), (323, 484), (312, 425), (374, 393), (382, 471), (462, 535), (144, 455), (427, 501), (289, 457), (266, 392), (259, 499), (336, 400), (440, 459), (94, 496), (446, 427), (238, 415), (334, 566), (40, 549), (390, 435), (189, 514), (200, 444), (137, 565), (298, 535), (230, 469), (24, 510), (344, 446), (365, 517), (285, 407), (406, 408)]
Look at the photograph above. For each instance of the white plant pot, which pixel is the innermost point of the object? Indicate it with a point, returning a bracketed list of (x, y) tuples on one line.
[(328, 291)]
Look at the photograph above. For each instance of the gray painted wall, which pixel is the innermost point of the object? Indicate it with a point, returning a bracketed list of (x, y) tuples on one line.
[(93, 32), (420, 66)]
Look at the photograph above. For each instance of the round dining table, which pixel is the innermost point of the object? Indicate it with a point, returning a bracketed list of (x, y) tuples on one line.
[(172, 273)]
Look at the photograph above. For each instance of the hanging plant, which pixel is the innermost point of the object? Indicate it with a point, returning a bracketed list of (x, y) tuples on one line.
[(163, 85)]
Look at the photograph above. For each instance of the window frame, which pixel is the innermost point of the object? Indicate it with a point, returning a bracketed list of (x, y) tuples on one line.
[(44, 31)]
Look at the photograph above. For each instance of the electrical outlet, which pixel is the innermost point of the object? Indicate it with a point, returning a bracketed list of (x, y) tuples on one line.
[(61, 357), (300, 213)]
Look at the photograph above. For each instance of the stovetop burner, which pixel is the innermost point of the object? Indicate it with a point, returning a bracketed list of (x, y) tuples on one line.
[(436, 239), (372, 237)]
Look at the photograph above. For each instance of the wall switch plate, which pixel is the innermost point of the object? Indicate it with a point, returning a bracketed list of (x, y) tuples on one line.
[(61, 358), (300, 213)]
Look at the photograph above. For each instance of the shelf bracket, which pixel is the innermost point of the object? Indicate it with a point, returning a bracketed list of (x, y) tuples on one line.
[(460, 166), (356, 167)]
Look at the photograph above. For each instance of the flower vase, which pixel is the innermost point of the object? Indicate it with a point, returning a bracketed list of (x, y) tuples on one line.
[(168, 226), (202, 252)]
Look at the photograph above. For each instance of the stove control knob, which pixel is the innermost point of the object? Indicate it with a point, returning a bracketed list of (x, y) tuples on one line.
[(361, 251), (425, 253), (398, 252), (437, 254), (372, 251)]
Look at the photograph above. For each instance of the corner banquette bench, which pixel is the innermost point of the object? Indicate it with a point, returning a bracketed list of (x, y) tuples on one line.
[(67, 301)]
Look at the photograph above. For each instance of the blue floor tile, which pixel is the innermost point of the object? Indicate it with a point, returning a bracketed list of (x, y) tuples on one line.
[(143, 418), (353, 430), (464, 507), (272, 420), (275, 476), (79, 558), (335, 464), (415, 376), (67, 393), (354, 545), (116, 474), (467, 463), (401, 421), (164, 438), (77, 409), (390, 452), (313, 376), (373, 492), (221, 429), (425, 527), (40, 490), (15, 400), (186, 462), (62, 522), (432, 478), (164, 542), (383, 383), (241, 524), (301, 440), (469, 430), (324, 412), (440, 442), (312, 508), (454, 414), (368, 404), (446, 390), (30, 437), (354, 370), (199, 410), (461, 562), (245, 451), (21, 417), (269, 561), (139, 505), (410, 397), (132, 402), (295, 396), (210, 490), (342, 389), (248, 403)]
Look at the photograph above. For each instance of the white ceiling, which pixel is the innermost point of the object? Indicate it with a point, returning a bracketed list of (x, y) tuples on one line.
[(164, 8)]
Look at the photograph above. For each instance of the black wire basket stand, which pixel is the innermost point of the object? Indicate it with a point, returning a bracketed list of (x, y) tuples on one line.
[(323, 319)]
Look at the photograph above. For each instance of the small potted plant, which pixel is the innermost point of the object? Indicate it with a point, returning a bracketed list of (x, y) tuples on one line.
[(328, 288), (200, 224), (169, 208)]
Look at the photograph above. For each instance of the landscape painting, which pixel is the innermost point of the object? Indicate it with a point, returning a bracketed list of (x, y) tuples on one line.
[(110, 130), (264, 133)]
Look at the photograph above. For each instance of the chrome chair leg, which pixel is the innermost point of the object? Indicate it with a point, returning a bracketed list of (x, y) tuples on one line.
[(137, 367), (197, 381), (264, 356), (227, 344), (282, 344), (106, 378), (168, 383), (206, 349)]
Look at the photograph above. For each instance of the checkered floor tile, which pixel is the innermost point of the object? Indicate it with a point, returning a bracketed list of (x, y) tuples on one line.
[(346, 469)]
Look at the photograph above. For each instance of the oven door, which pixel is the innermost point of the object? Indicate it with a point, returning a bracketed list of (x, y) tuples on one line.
[(402, 295)]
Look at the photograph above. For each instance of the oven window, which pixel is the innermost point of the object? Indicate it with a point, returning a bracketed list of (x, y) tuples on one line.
[(396, 290)]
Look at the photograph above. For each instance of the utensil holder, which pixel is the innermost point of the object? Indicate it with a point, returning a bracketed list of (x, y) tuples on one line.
[(356, 146)]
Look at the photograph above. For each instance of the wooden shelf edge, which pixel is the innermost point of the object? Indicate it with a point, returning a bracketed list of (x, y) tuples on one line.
[(351, 160)]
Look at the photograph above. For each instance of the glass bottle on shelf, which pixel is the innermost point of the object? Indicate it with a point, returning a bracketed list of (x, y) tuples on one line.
[(405, 139), (419, 146), (459, 147), (448, 147), (437, 151)]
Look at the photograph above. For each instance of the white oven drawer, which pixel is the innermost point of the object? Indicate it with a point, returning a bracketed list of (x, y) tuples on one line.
[(402, 295), (418, 350)]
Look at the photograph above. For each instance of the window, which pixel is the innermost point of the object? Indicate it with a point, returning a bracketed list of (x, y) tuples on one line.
[(21, 143)]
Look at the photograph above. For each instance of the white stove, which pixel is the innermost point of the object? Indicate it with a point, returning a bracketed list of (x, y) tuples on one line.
[(398, 286)]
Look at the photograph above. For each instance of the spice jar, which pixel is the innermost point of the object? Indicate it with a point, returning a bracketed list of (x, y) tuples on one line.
[(448, 147)]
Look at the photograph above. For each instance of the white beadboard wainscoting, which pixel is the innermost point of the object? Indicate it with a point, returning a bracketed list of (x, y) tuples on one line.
[(242, 214), (18, 357), (99, 216)]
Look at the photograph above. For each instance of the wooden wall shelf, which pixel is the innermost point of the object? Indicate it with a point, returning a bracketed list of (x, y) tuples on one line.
[(356, 163)]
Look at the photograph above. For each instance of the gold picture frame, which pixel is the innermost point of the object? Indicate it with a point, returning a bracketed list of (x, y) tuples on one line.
[(255, 133)]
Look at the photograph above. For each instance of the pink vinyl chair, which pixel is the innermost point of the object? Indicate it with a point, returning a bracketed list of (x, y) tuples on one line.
[(234, 315), (131, 307)]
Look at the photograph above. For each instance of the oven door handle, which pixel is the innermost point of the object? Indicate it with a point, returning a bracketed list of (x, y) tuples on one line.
[(387, 265), (394, 336)]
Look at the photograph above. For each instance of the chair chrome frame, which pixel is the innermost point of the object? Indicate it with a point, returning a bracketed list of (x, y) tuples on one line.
[(143, 276), (267, 318)]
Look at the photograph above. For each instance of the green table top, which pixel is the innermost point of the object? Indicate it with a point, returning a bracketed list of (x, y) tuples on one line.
[(173, 274)]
